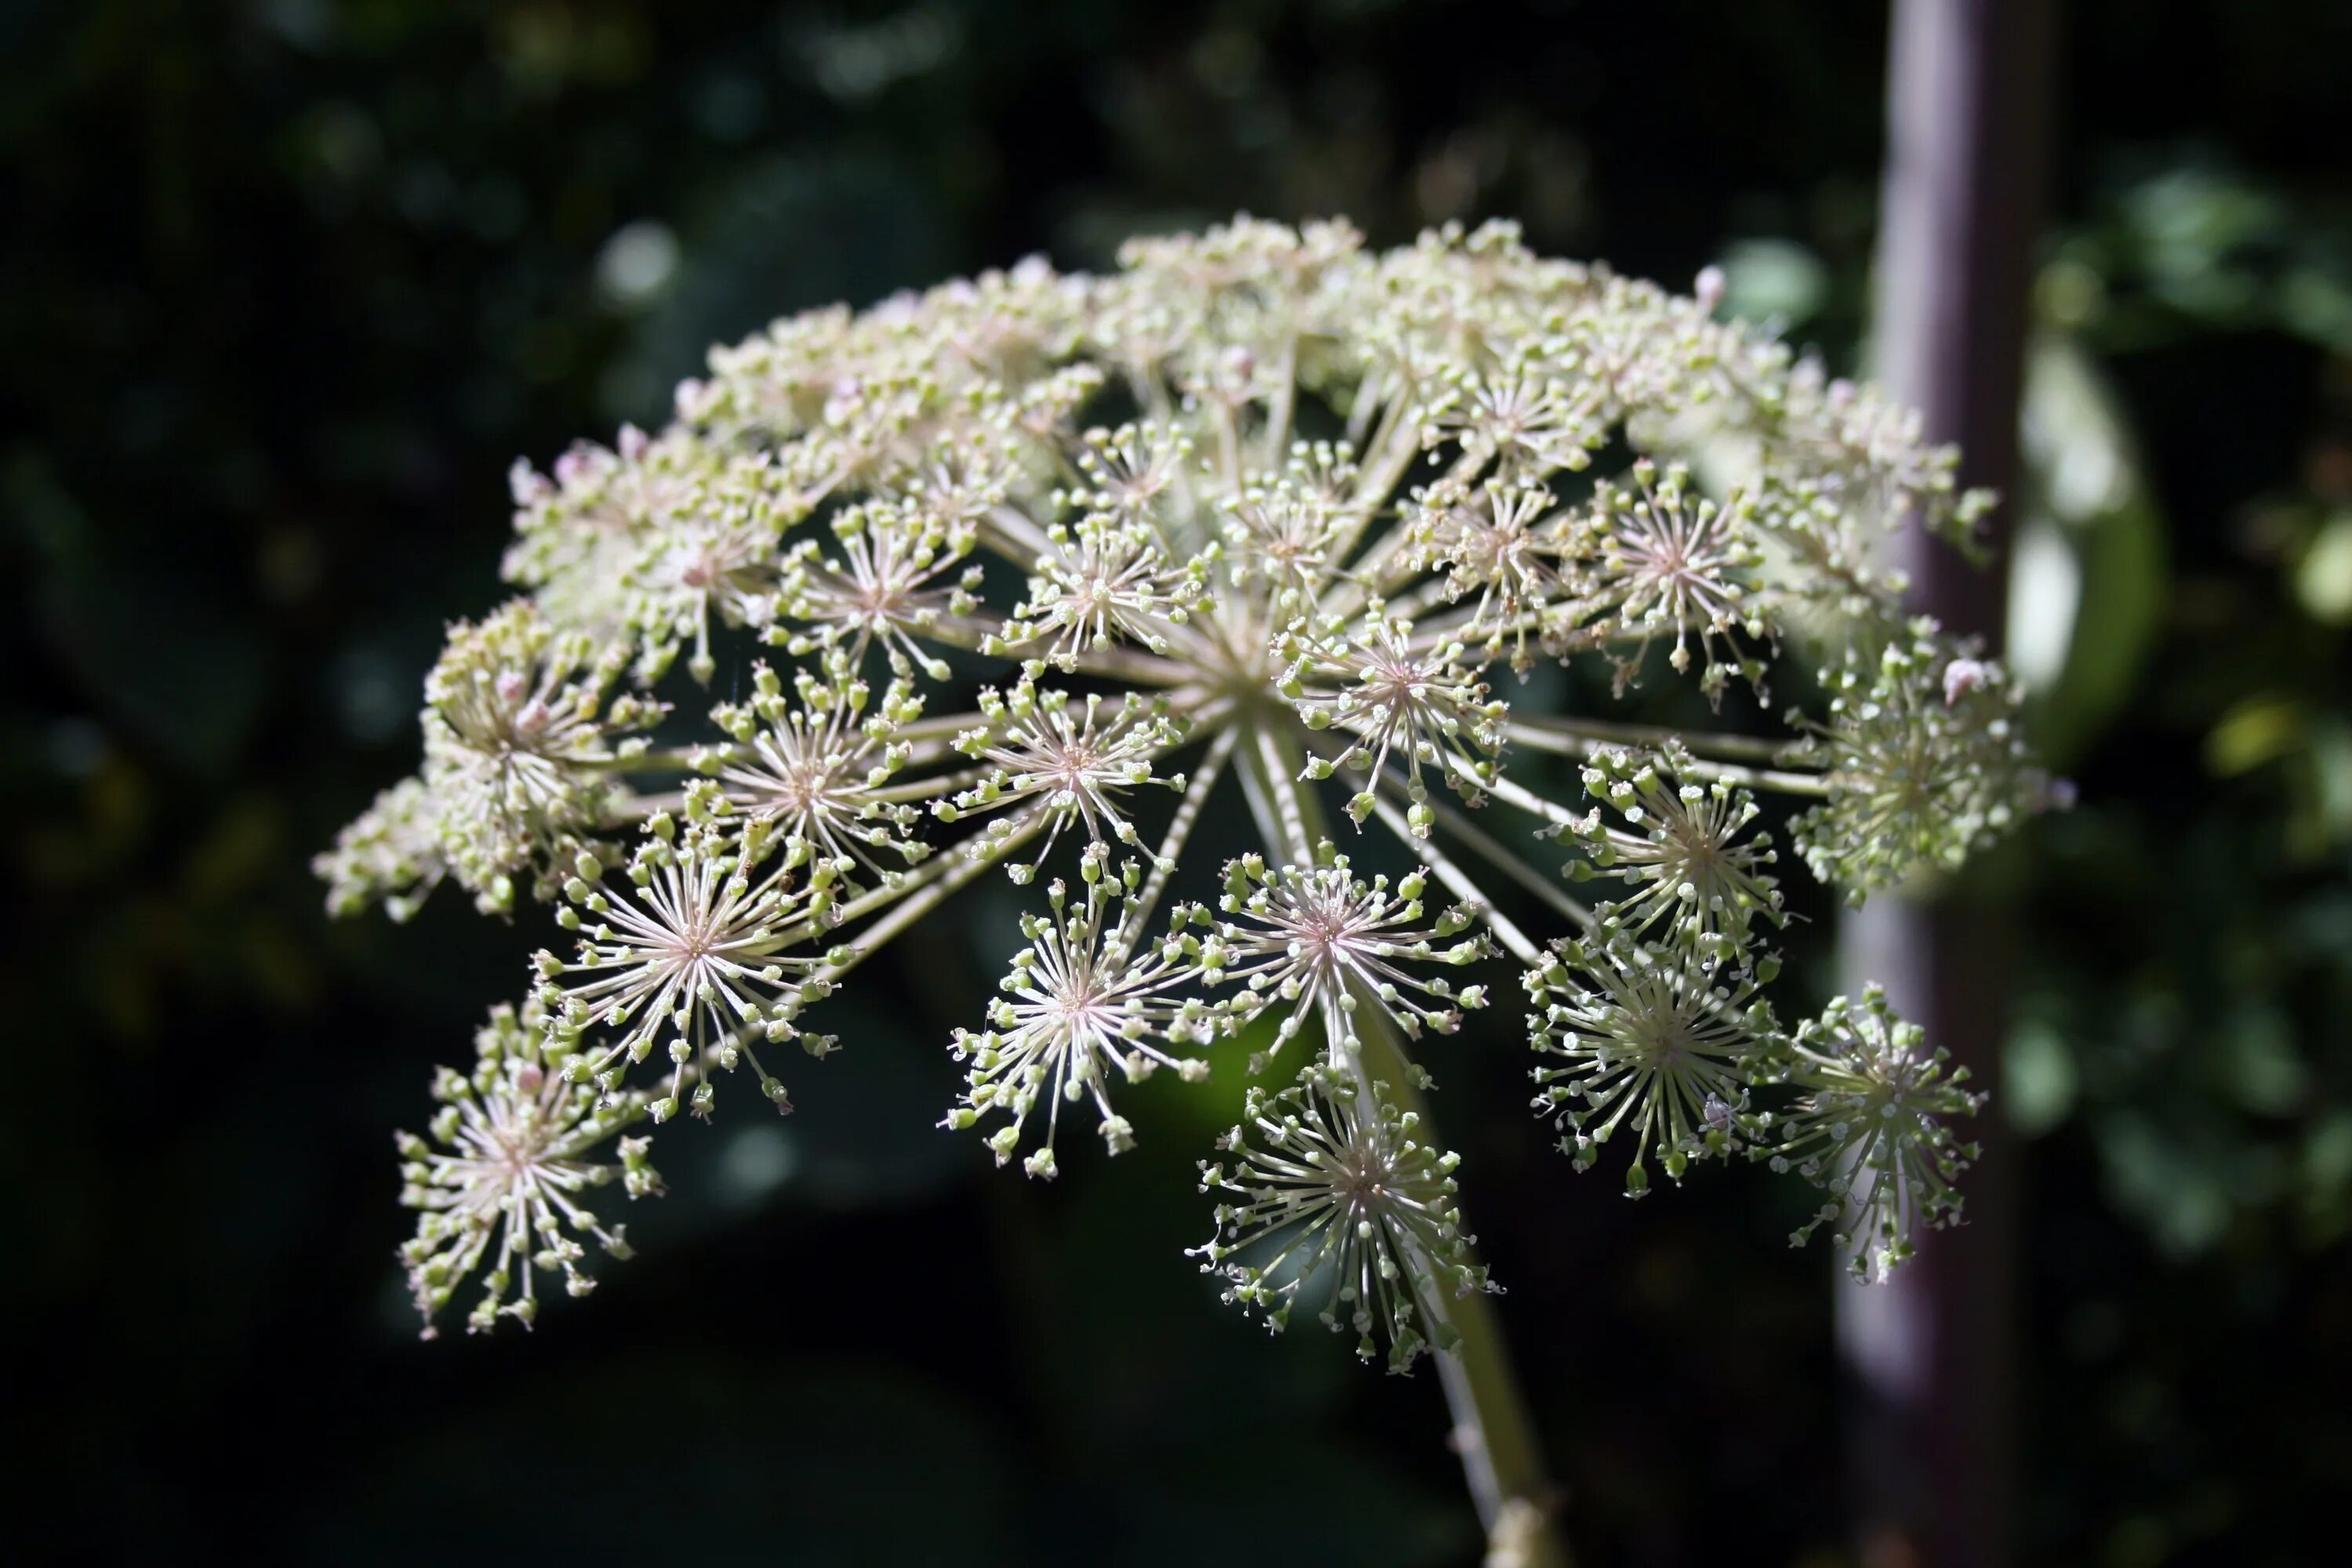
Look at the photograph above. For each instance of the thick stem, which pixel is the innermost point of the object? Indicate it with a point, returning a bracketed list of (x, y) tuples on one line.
[(1930, 1355), (1501, 1460), (1491, 1430)]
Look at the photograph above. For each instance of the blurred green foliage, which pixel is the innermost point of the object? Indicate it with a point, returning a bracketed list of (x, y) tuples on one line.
[(288, 282)]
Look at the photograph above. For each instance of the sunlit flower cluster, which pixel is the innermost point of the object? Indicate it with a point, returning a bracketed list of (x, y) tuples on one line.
[(1925, 758), (1217, 603), (1079, 1005)]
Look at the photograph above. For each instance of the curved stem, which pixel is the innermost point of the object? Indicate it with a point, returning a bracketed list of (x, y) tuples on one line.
[(1493, 1432)]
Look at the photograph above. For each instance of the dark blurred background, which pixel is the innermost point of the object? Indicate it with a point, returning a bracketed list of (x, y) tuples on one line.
[(285, 285)]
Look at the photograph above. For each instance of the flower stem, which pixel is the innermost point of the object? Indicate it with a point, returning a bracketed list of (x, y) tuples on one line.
[(1493, 1432)]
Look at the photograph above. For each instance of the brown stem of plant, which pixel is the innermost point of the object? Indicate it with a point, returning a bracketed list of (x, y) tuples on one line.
[(1929, 1355)]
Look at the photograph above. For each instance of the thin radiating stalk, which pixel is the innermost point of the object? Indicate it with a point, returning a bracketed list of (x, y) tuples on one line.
[(1463, 887), (1459, 827), (918, 890), (1540, 739), (1746, 748), (1546, 891), (1180, 831), (923, 899)]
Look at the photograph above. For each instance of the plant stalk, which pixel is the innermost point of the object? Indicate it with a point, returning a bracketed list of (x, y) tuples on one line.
[(1493, 1433), (1931, 1356)]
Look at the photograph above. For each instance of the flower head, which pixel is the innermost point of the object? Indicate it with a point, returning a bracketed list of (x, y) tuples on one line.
[(1391, 695), (1067, 762), (1102, 579), (521, 745), (888, 586), (502, 1179), (819, 763), (1663, 559), (1869, 1131), (716, 558), (1680, 846), (1923, 768), (1313, 943), (1136, 473), (390, 854), (1084, 999), (1865, 450), (1333, 1193), (1281, 530), (696, 950), (1662, 1045), (579, 529), (1505, 542), (1254, 520), (1520, 416)]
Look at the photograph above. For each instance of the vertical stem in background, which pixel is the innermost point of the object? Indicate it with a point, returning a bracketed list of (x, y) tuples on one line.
[(1501, 1459), (1930, 1354)]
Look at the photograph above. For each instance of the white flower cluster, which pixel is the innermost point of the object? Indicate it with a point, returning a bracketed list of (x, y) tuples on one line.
[(1025, 574)]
